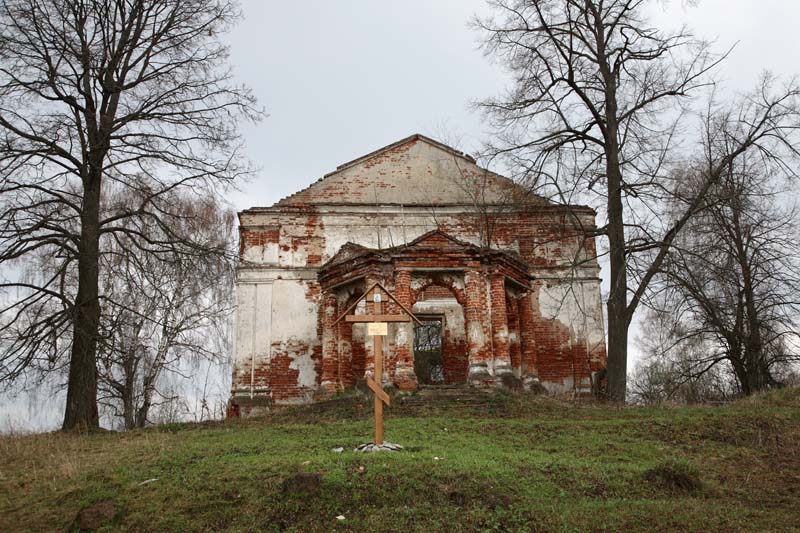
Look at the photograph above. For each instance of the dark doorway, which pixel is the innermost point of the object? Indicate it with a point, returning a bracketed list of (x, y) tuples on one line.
[(428, 364)]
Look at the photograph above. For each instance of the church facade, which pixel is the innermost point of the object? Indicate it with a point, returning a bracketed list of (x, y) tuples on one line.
[(505, 284)]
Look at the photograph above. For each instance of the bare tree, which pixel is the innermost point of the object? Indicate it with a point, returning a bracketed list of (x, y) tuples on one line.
[(132, 95), (732, 279), (658, 380), (599, 110), (163, 313), (666, 373)]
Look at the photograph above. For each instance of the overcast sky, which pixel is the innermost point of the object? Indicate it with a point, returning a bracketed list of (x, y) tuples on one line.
[(342, 78)]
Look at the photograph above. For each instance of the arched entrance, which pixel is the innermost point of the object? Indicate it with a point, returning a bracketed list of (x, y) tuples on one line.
[(440, 348), (458, 289)]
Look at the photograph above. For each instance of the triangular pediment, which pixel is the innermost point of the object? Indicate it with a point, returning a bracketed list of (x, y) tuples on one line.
[(438, 240), (348, 251), (414, 171), (435, 249), (435, 241)]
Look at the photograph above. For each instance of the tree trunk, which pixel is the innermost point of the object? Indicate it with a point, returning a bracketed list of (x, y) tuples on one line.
[(81, 408), (739, 368), (144, 410), (128, 409), (129, 367), (757, 374), (618, 316), (618, 321)]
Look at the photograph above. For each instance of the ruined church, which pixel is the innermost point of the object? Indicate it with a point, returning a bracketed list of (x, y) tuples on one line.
[(505, 283)]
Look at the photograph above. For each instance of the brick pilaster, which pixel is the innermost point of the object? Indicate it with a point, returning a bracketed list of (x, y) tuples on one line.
[(330, 356), (404, 376), (512, 312), (500, 342), (474, 312), (527, 337), (345, 354)]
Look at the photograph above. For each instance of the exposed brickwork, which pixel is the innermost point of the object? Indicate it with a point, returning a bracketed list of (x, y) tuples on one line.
[(443, 286), (515, 313), (403, 371), (345, 351), (561, 355), (500, 341), (284, 371), (257, 237), (369, 342), (527, 335), (359, 351), (330, 346), (474, 318), (455, 359), (436, 291)]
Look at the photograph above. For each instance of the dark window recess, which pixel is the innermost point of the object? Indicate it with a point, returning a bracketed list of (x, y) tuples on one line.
[(428, 351)]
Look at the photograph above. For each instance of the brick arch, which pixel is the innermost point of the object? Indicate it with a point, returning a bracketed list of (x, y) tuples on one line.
[(438, 281)]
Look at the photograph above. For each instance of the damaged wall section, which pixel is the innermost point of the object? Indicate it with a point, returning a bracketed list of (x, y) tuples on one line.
[(554, 325)]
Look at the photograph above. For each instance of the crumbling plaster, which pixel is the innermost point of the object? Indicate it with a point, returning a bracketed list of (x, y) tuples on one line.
[(385, 204)]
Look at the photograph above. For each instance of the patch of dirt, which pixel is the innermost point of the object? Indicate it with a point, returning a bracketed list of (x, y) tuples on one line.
[(675, 476), (457, 498), (302, 482), (92, 517)]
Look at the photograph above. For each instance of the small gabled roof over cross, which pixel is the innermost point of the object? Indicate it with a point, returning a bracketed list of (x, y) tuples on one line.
[(408, 316)]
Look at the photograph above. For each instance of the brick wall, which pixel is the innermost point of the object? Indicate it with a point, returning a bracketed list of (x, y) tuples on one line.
[(541, 338)]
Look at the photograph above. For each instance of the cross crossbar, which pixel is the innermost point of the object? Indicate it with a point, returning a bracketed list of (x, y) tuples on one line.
[(379, 392), (377, 318)]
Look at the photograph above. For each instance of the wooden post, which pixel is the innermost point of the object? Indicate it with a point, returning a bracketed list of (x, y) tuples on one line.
[(377, 309)]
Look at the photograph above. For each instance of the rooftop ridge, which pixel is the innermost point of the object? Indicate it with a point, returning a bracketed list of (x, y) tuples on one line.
[(414, 137), (374, 153)]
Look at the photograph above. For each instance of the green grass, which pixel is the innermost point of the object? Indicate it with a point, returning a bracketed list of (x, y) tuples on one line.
[(526, 464)]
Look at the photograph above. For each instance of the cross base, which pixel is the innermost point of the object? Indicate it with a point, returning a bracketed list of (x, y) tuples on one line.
[(372, 447)]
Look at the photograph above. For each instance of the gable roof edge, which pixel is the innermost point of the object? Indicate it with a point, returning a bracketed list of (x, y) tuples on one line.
[(414, 137)]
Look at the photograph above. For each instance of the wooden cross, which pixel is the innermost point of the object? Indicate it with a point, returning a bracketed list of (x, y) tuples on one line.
[(377, 327)]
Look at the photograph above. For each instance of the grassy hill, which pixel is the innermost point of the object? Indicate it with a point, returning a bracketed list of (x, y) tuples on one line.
[(507, 463)]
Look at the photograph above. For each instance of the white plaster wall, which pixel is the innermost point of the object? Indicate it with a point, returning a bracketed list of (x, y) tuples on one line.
[(294, 326), (420, 172), (265, 255), (371, 226), (382, 230), (294, 317), (253, 331), (558, 388), (577, 305), (245, 300), (263, 314)]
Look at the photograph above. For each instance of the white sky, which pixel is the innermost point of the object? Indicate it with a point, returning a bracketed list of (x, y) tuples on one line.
[(342, 78)]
